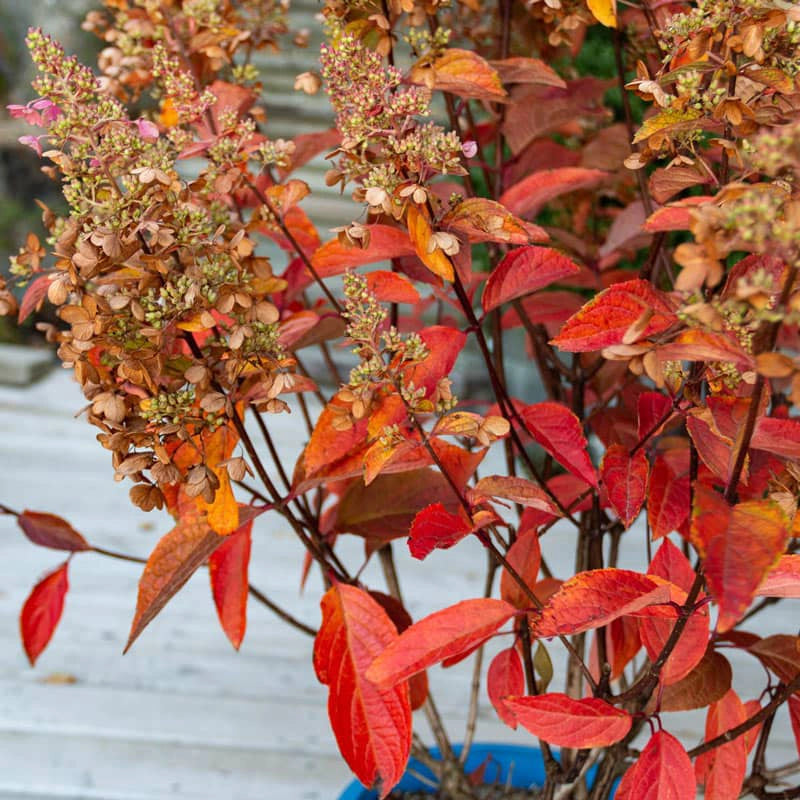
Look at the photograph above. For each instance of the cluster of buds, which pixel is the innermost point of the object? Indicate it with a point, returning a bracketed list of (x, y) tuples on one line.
[(732, 68), (385, 147)]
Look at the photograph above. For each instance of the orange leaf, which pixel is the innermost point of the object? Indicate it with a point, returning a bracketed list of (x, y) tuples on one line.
[(783, 580), (525, 270), (173, 561), (669, 492), (517, 490), (227, 570), (723, 769), (48, 530), (528, 196), (505, 677), (595, 598), (525, 556), (329, 443), (520, 69), (625, 479), (440, 635), (463, 73), (372, 727), (605, 319), (566, 722), (223, 512), (436, 528), (559, 432), (385, 243), (662, 772), (481, 220), (699, 345), (42, 612), (421, 234), (389, 287), (674, 217), (739, 545)]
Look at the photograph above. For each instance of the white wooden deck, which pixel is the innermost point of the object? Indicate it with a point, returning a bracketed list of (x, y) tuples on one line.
[(183, 715)]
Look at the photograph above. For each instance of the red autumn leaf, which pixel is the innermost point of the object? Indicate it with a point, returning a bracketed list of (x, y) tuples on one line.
[(439, 636), (699, 345), (669, 492), (42, 611), (435, 527), (385, 243), (625, 479), (662, 772), (672, 565), (675, 216), (525, 270), (605, 319), (723, 769), (739, 546), (479, 219), (421, 233), (655, 628), (173, 561), (528, 196), (463, 73), (444, 345), (559, 432), (389, 287), (595, 598), (651, 410), (505, 677), (525, 557), (779, 653), (794, 716), (33, 298), (622, 643), (227, 570), (778, 436), (328, 443), (566, 722), (715, 450), (417, 684), (48, 530), (372, 727), (308, 145), (783, 580), (517, 490), (705, 684), (387, 507)]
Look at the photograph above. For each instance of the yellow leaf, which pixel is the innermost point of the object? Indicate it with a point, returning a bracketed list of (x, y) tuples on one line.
[(420, 233), (667, 120), (223, 513), (604, 11)]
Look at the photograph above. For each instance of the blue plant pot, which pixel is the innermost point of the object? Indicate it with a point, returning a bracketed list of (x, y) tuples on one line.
[(525, 763)]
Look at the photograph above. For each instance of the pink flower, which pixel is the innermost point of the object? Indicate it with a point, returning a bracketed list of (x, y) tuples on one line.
[(147, 129), (469, 148), (32, 142), (39, 112)]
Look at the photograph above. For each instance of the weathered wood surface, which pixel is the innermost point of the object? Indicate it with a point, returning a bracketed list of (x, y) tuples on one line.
[(182, 715)]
